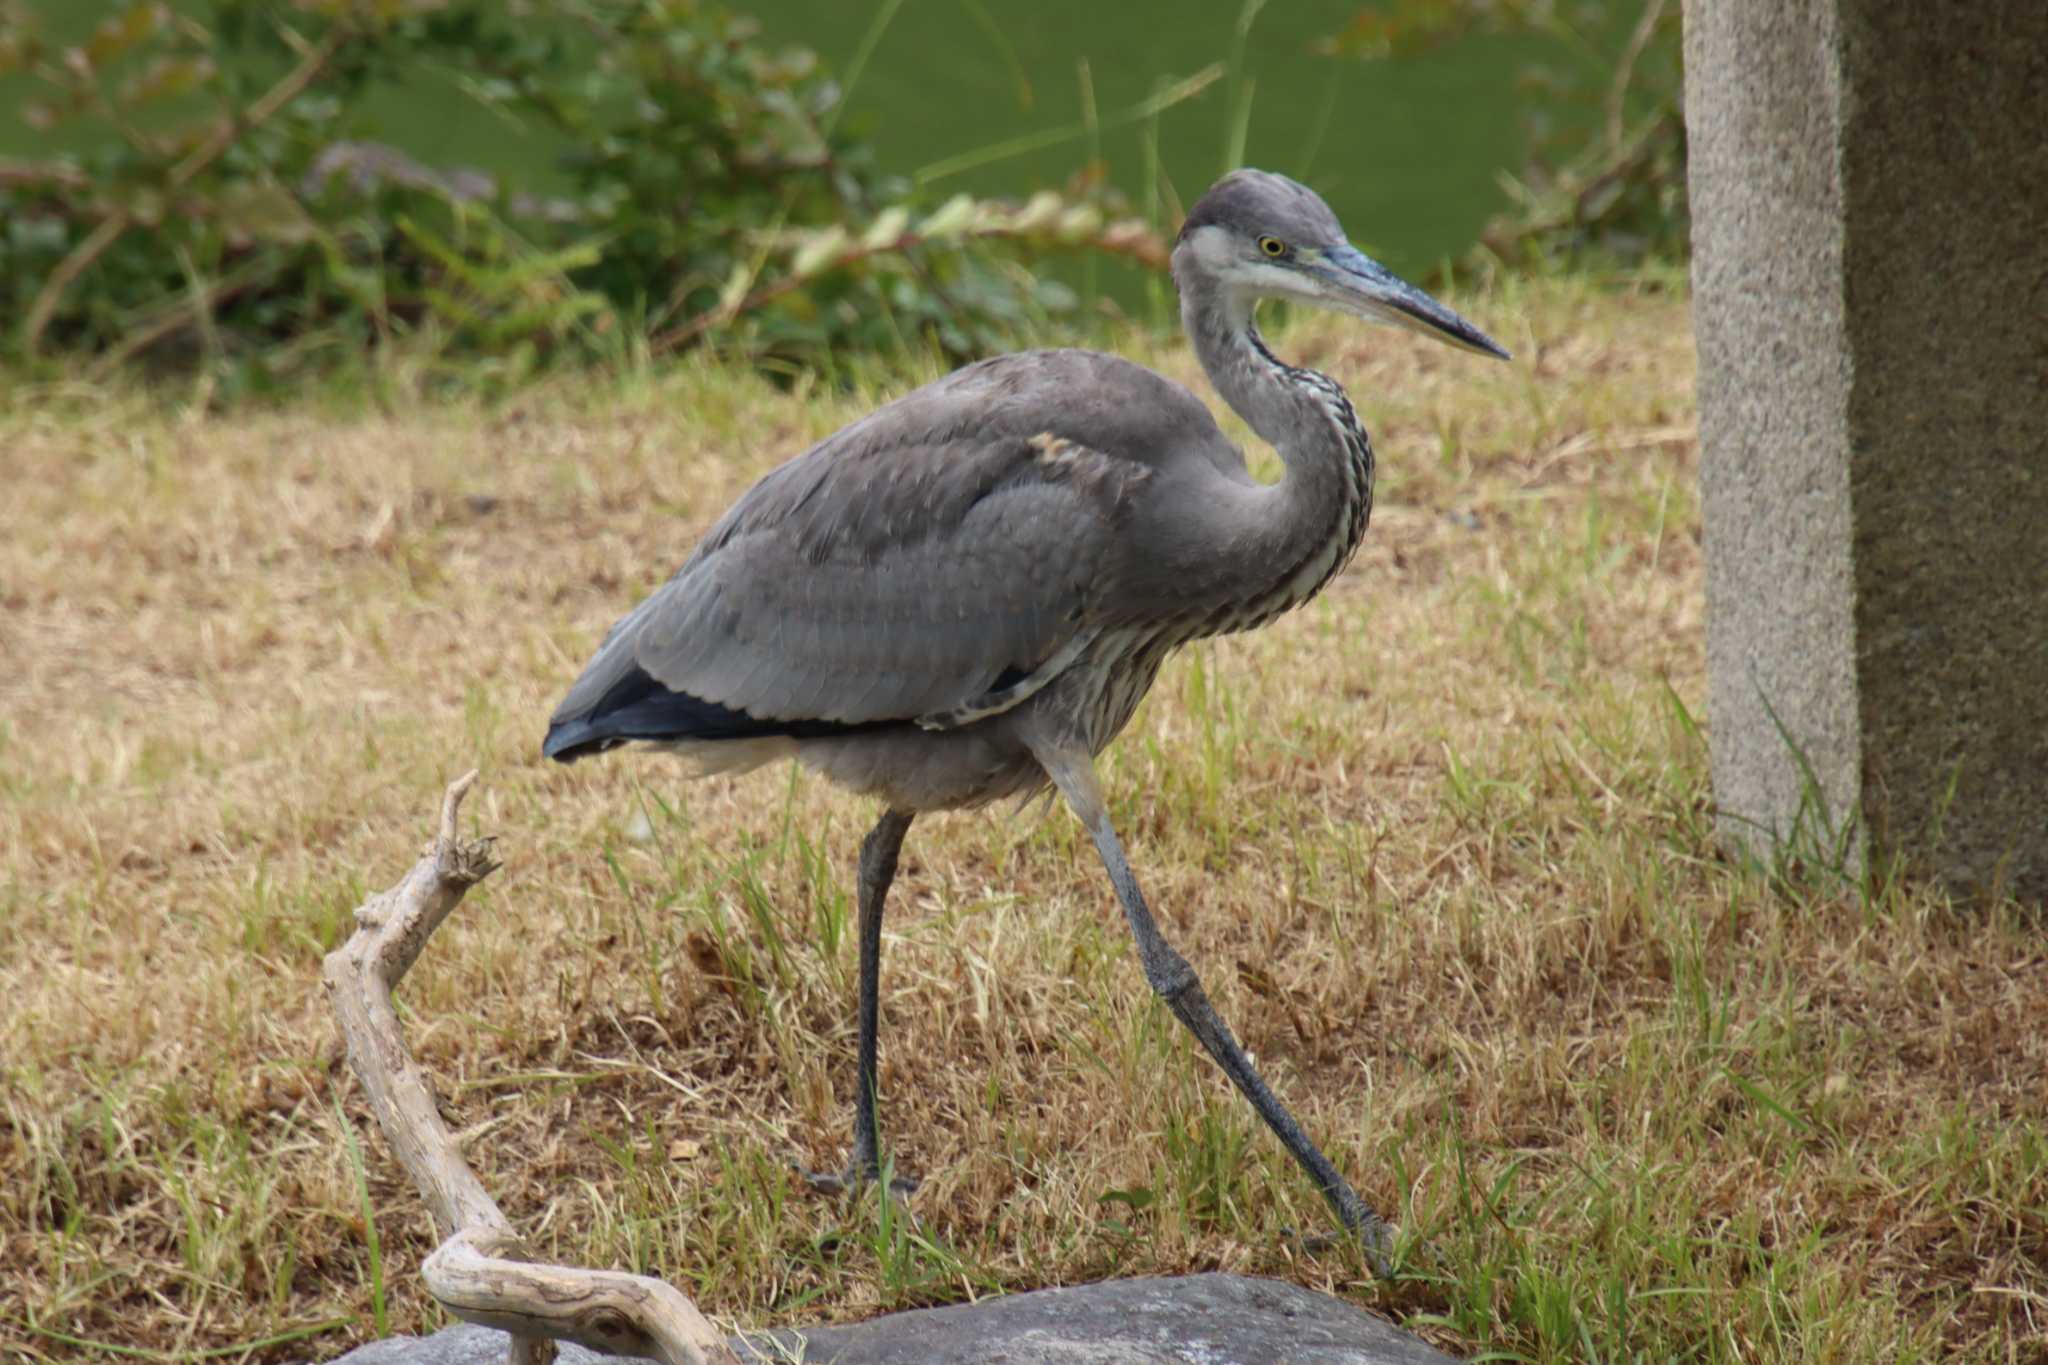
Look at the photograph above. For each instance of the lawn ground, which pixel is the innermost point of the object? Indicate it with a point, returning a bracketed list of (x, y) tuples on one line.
[(1440, 844)]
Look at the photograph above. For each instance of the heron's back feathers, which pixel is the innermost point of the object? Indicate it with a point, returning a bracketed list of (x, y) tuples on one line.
[(938, 559)]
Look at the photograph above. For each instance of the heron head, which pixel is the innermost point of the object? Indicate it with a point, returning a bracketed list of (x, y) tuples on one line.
[(1260, 235)]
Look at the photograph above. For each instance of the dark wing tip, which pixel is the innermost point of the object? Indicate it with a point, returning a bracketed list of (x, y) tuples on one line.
[(638, 706), (569, 740)]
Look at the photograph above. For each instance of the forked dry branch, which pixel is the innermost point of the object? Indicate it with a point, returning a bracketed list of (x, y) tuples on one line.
[(480, 1272)]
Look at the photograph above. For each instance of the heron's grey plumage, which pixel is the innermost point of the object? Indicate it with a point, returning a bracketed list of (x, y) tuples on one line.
[(964, 595)]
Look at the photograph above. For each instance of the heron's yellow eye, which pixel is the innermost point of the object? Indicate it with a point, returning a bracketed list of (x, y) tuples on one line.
[(1272, 246)]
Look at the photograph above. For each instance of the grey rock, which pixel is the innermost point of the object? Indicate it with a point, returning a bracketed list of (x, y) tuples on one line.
[(1191, 1320), (462, 1344), (1869, 188)]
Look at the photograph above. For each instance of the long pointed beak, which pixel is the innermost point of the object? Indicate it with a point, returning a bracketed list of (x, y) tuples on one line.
[(1355, 282)]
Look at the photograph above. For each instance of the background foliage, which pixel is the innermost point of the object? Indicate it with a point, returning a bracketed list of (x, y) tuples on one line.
[(229, 210), (218, 191), (1605, 173)]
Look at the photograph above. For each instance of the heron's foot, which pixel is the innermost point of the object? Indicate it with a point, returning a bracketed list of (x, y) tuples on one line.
[(1361, 1227), (1323, 1243), (857, 1177)]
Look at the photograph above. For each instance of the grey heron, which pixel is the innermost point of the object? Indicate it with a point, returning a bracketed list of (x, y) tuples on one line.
[(963, 596)]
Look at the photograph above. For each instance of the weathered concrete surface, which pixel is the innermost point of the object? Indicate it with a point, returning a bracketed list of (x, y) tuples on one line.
[(1192, 1320), (1869, 185)]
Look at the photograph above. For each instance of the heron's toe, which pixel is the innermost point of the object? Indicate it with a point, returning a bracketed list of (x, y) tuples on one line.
[(1361, 1229), (826, 1182), (853, 1178)]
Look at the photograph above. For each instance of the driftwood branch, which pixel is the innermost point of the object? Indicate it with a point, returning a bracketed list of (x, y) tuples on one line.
[(481, 1272)]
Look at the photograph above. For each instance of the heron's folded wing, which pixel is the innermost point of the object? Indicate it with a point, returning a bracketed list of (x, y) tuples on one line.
[(875, 583)]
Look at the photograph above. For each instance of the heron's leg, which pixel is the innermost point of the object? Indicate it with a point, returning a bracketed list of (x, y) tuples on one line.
[(1170, 976), (878, 855)]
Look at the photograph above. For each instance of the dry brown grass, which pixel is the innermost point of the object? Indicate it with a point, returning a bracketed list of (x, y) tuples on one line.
[(1438, 842)]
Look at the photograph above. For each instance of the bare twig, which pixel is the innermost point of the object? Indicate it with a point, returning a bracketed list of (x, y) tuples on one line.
[(1625, 73), (205, 154), (1568, 202), (69, 269), (481, 1271), (180, 314), (14, 171)]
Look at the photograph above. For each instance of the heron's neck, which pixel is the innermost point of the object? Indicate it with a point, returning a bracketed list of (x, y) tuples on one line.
[(1327, 495), (1250, 378)]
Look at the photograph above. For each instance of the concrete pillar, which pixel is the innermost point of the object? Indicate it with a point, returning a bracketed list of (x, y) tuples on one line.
[(1869, 184)]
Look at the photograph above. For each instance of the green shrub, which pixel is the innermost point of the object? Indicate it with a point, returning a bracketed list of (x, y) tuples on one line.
[(226, 211)]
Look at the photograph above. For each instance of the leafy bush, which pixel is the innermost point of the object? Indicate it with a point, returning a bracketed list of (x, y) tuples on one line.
[(1607, 177), (225, 209)]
